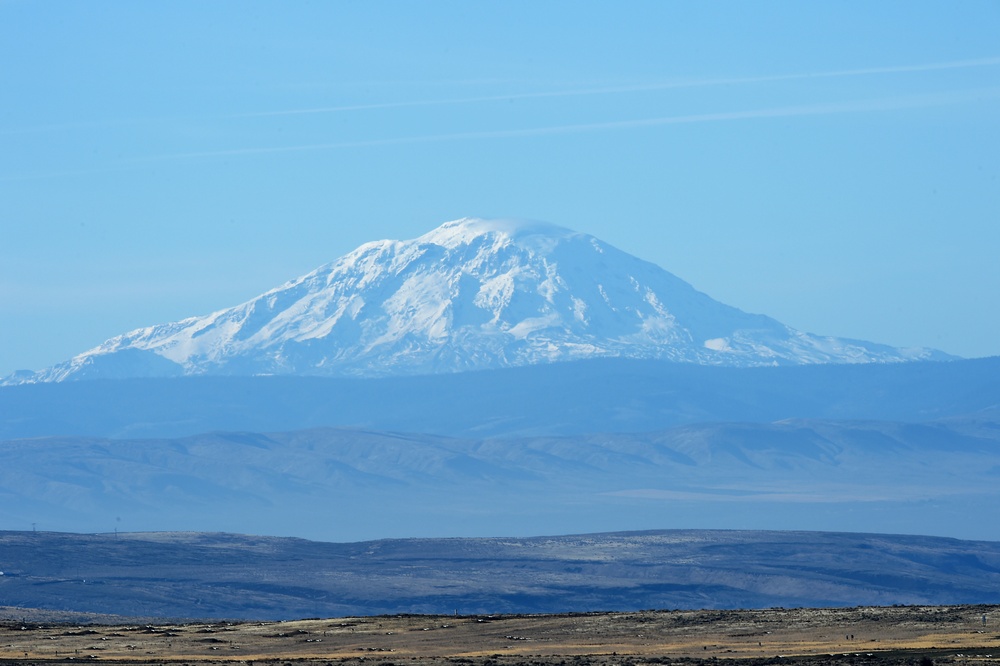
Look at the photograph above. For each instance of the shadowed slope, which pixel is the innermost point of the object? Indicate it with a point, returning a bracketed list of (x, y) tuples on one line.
[(220, 575)]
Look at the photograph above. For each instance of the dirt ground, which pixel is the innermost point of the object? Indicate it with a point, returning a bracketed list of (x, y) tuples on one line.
[(896, 635)]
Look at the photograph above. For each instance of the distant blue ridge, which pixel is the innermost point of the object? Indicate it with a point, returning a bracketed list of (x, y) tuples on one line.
[(600, 395)]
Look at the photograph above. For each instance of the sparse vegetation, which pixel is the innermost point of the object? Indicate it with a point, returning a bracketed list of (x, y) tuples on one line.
[(901, 636)]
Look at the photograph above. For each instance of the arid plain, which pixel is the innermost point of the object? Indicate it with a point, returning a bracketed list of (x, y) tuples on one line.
[(900, 634)]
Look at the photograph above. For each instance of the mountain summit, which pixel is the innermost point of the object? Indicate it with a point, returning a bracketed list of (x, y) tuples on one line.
[(471, 294)]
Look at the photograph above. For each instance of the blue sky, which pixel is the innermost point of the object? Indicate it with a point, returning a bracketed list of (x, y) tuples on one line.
[(835, 165)]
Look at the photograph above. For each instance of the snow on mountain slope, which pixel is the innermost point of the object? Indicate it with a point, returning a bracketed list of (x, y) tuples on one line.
[(471, 294)]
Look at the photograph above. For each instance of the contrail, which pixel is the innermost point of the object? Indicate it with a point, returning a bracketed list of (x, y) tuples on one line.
[(872, 105), (578, 92), (649, 87), (859, 106)]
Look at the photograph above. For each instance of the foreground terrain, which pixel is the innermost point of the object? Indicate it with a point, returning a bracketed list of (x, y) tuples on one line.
[(904, 635)]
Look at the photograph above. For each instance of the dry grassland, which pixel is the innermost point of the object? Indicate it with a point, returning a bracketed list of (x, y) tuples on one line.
[(904, 635)]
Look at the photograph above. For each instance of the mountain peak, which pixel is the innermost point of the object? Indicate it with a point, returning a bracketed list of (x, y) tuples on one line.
[(470, 294), (528, 233)]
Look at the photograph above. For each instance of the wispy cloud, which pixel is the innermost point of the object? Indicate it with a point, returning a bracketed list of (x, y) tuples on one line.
[(573, 92), (861, 106), (65, 173), (879, 105), (649, 87)]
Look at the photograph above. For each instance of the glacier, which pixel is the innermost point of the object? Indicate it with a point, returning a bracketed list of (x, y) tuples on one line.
[(472, 294)]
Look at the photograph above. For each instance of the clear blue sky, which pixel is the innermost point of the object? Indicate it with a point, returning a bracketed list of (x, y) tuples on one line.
[(835, 165)]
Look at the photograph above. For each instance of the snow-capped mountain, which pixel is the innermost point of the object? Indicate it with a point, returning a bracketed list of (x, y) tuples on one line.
[(471, 294)]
